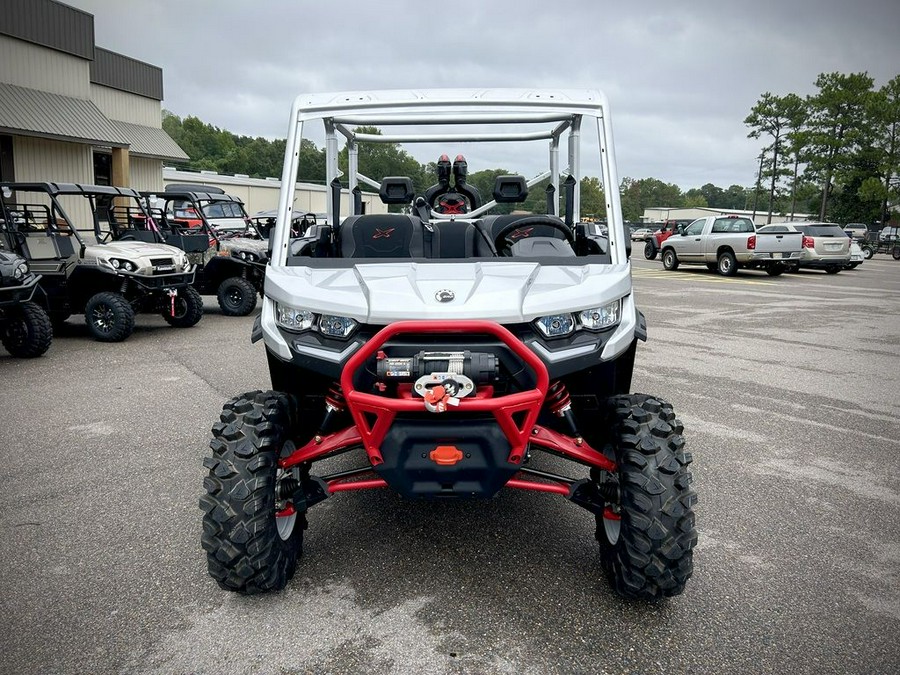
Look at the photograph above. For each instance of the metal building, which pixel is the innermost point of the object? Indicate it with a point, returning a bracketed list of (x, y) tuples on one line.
[(71, 111)]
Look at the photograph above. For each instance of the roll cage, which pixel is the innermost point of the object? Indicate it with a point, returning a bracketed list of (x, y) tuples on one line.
[(494, 115)]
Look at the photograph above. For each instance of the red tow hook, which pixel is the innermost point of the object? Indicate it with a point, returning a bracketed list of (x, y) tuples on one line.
[(173, 293)]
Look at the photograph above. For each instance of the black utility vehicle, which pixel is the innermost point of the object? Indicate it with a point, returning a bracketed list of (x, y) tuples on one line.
[(94, 256), (25, 328), (231, 263)]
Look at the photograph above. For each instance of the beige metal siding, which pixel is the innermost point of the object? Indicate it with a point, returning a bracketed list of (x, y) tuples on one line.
[(38, 161), (120, 105), (146, 174), (28, 65)]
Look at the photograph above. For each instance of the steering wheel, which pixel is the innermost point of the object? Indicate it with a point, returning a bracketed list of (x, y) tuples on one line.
[(127, 237), (502, 240)]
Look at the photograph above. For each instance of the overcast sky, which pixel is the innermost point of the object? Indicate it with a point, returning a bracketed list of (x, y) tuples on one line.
[(680, 76)]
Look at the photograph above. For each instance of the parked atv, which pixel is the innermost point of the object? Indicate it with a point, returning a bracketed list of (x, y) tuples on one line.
[(231, 262), (88, 249), (25, 329), (451, 350)]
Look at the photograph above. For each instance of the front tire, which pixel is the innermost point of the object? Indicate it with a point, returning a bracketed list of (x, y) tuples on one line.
[(27, 333), (237, 297), (188, 308), (109, 317), (670, 259), (250, 548), (650, 249), (647, 533), (726, 264), (867, 252)]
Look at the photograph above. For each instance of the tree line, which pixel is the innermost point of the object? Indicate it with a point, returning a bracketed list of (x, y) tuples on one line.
[(834, 154), (838, 148)]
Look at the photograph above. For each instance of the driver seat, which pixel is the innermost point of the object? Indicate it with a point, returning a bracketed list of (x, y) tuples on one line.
[(492, 225)]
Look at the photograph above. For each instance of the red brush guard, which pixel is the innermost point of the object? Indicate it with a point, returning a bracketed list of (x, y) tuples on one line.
[(516, 413)]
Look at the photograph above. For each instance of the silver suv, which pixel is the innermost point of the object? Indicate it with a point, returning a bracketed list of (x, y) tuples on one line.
[(825, 245)]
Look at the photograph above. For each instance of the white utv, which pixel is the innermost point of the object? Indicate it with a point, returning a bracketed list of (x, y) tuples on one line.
[(92, 259), (456, 352)]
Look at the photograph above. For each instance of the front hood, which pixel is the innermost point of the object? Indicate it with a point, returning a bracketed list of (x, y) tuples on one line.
[(132, 249), (148, 258), (258, 247), (506, 292)]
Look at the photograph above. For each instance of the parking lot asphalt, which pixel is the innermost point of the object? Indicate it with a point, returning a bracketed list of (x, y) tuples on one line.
[(789, 392)]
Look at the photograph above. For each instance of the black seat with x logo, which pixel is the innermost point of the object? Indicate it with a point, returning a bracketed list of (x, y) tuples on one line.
[(382, 235)]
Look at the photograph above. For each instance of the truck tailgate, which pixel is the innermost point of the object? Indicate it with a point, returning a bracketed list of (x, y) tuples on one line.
[(779, 242)]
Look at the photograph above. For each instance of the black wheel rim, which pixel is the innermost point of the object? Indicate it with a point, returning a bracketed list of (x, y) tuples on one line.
[(103, 317), (234, 296), (16, 333)]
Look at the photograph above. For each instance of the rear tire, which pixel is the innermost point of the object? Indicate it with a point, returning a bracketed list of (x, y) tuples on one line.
[(109, 317), (650, 249), (833, 269), (647, 553), (188, 308), (670, 259), (250, 549), (726, 264), (774, 270), (867, 252), (27, 332), (237, 297)]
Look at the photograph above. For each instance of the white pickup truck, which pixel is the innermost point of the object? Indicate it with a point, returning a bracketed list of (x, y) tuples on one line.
[(727, 243)]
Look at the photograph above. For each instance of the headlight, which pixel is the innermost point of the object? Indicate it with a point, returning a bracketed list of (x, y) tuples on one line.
[(128, 266), (115, 263), (555, 325), (293, 319), (21, 270), (336, 326), (599, 318)]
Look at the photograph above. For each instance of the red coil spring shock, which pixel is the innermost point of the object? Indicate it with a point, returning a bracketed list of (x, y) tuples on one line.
[(558, 399), (560, 404), (335, 404)]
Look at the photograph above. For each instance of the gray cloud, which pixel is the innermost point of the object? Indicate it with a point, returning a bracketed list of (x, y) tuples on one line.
[(680, 77)]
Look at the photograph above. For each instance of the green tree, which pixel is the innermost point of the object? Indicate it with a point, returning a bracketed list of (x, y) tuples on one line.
[(637, 195), (593, 198), (837, 127), (884, 115), (694, 198), (771, 116)]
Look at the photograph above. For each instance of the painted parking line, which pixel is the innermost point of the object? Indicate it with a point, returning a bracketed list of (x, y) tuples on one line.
[(712, 278)]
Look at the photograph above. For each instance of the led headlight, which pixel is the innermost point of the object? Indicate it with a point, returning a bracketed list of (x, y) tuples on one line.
[(21, 271), (293, 318), (555, 325), (128, 266), (336, 326), (599, 318), (115, 263)]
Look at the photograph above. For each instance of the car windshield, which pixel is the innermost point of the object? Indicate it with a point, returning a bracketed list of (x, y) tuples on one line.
[(223, 210)]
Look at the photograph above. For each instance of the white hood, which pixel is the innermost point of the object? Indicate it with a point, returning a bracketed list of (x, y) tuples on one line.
[(506, 292)]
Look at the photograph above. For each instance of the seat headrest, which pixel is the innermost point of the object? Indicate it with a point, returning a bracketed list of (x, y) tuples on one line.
[(396, 190)]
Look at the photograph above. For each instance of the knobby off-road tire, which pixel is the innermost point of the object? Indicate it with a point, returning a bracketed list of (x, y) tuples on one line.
[(109, 317), (726, 264), (651, 554), (28, 332), (650, 249), (237, 297), (670, 259), (188, 309), (248, 549)]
